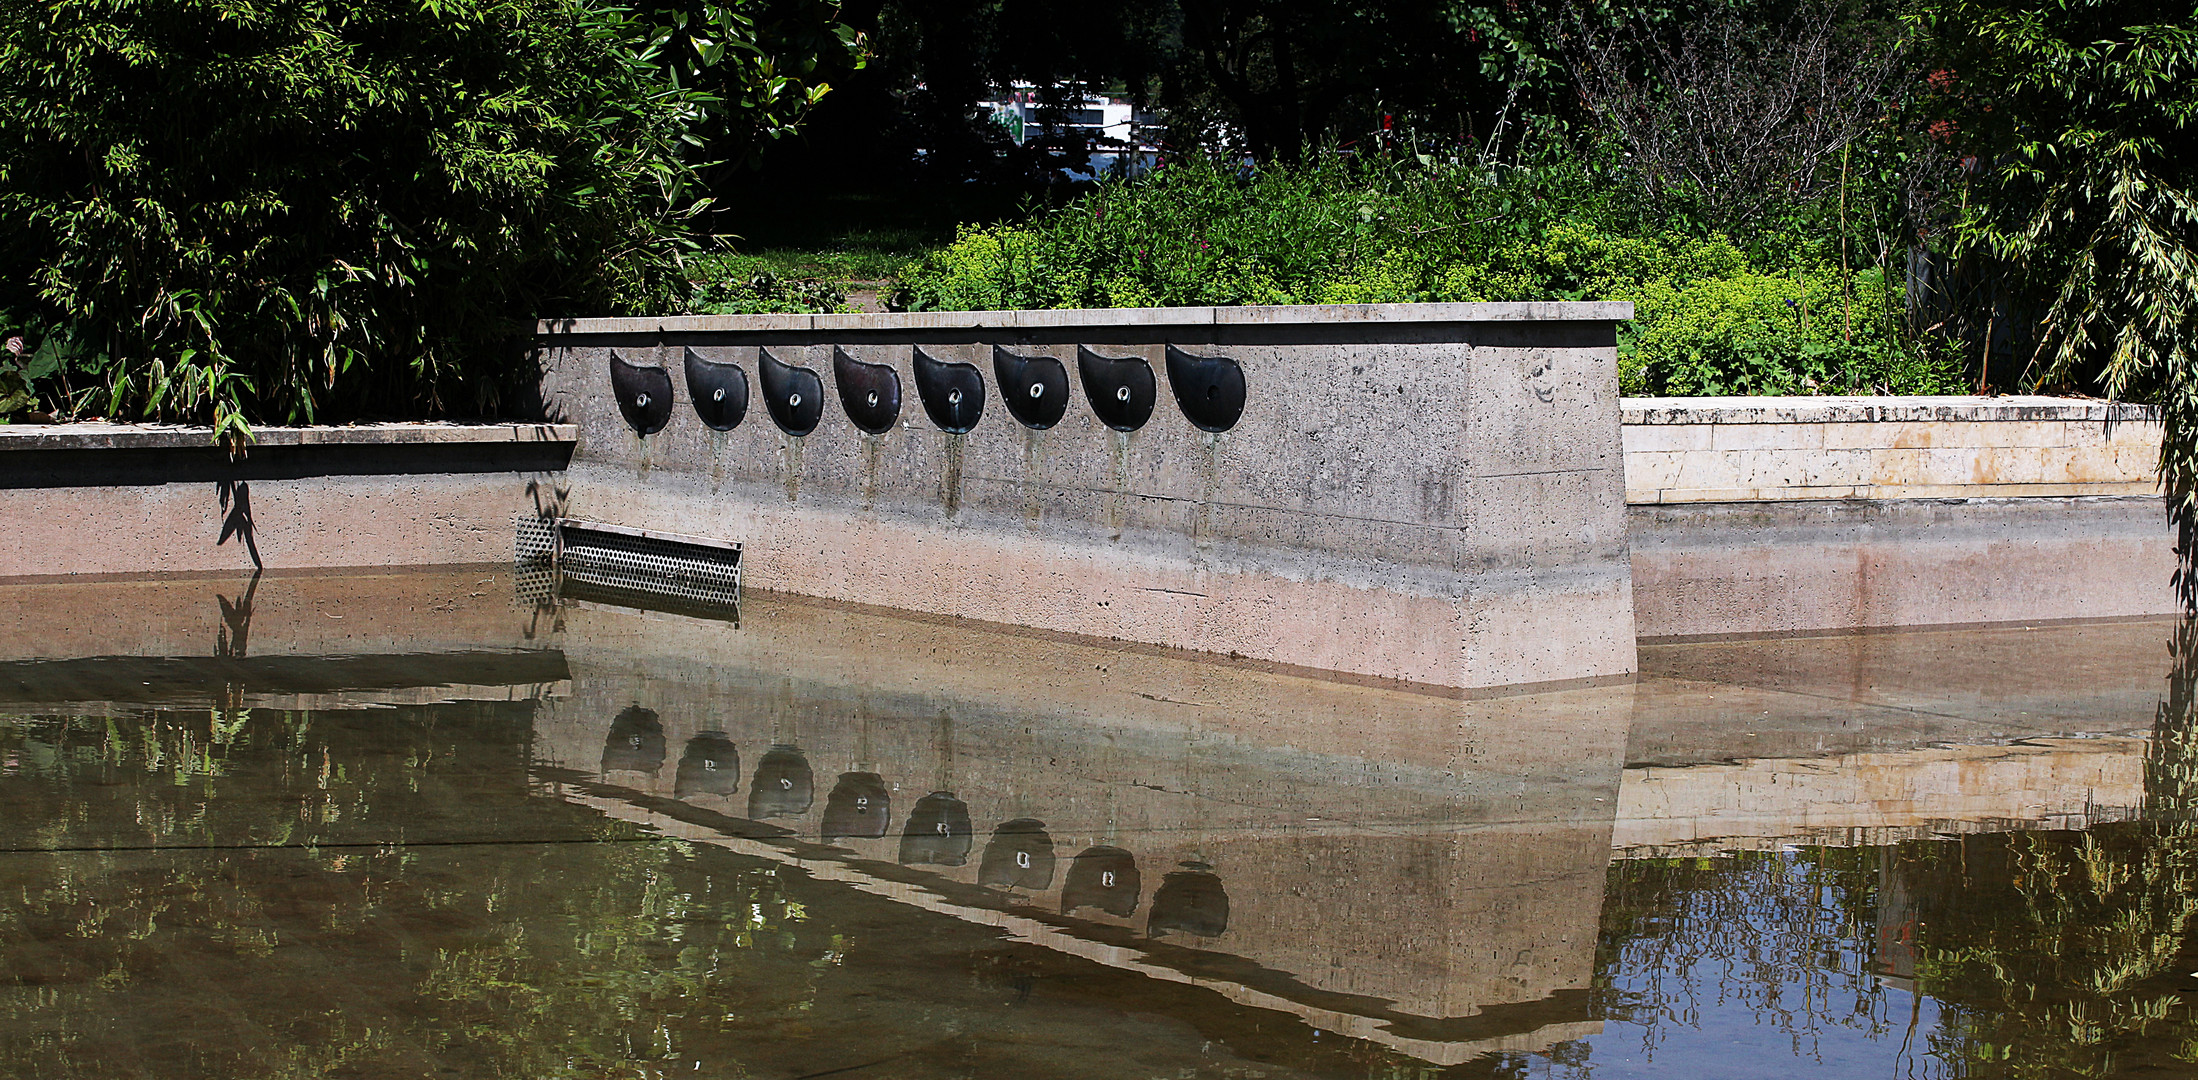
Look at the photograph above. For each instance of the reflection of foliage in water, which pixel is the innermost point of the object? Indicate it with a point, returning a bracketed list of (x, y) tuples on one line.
[(657, 947), (270, 884), (1786, 935), (2050, 953), (2041, 954), (2055, 952)]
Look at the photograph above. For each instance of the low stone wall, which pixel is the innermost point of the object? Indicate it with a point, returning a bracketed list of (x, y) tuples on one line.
[(1767, 515), (1422, 492), (1778, 449), (1427, 492), (120, 499)]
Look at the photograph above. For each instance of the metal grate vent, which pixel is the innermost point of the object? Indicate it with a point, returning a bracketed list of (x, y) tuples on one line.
[(564, 558)]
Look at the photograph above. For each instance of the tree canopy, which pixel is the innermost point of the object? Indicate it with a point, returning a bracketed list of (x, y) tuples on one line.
[(318, 209)]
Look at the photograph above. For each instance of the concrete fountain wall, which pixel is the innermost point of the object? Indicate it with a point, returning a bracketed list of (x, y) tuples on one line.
[(1426, 492)]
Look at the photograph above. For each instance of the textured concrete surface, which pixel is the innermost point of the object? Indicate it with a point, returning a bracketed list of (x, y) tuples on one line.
[(1762, 567), (1410, 493), (1777, 449), (113, 499)]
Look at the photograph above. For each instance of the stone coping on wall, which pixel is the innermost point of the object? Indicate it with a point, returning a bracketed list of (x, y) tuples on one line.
[(106, 436), (1100, 318), (1866, 410)]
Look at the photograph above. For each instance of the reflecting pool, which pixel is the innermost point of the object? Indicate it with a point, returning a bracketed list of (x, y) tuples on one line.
[(407, 825)]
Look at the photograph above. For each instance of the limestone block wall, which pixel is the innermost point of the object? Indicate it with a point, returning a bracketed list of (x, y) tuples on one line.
[(1426, 492), (1772, 515), (1776, 449)]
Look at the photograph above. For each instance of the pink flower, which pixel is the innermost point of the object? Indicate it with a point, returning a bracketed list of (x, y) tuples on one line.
[(15, 344)]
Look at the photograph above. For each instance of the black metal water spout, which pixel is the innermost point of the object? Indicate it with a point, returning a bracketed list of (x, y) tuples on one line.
[(1121, 390), (953, 394), (644, 395), (871, 393), (794, 396), (1209, 389), (1034, 387), (719, 391)]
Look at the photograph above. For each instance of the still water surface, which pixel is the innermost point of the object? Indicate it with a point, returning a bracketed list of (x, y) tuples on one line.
[(399, 826)]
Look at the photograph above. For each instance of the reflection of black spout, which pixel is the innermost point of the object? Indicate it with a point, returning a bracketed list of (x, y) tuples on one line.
[(1105, 878), (1019, 856), (635, 744), (858, 806), (1192, 901), (784, 786), (938, 832), (709, 766)]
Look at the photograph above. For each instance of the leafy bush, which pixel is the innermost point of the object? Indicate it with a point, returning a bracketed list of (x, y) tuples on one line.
[(287, 211), (1711, 317)]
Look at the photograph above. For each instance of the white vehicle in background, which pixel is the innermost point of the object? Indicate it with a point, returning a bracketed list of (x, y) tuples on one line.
[(1095, 135)]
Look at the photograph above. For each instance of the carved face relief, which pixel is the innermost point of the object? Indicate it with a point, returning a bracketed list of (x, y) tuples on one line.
[(1542, 378)]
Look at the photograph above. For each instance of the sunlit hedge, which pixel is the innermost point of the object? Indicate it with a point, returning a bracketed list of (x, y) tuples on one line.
[(1712, 316)]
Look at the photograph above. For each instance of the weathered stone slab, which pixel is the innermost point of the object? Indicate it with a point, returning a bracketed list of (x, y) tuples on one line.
[(1684, 450)]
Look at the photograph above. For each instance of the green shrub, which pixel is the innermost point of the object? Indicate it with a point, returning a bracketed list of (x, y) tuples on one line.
[(286, 210), (1711, 317)]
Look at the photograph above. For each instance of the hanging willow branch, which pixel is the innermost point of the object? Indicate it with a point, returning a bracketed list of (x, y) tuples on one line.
[(2084, 120)]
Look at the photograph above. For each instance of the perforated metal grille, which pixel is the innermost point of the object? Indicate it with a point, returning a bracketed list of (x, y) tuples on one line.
[(534, 575), (537, 542), (651, 565), (563, 558)]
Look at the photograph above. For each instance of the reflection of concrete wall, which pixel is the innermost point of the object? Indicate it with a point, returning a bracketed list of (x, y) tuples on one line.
[(1820, 695), (1438, 855), (1878, 798), (296, 614), (1425, 492)]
